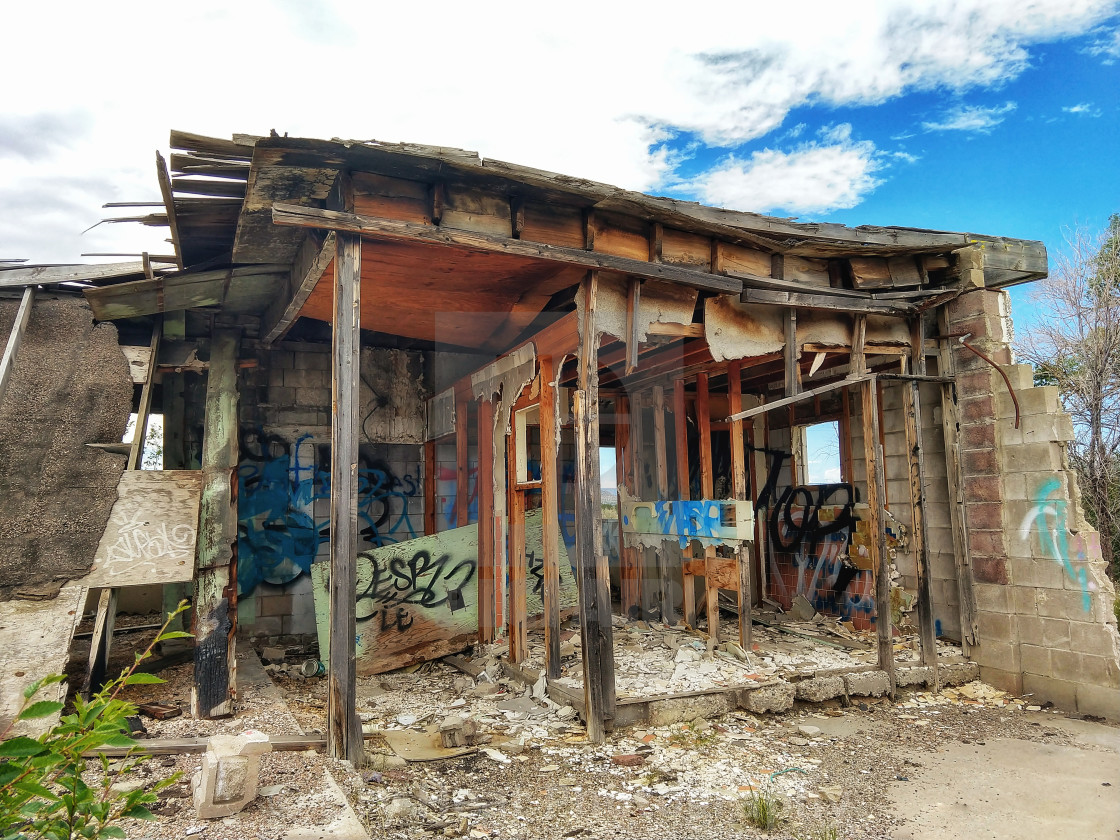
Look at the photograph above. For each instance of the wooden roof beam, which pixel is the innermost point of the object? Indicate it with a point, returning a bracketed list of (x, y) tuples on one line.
[(296, 216), (169, 203), (311, 261)]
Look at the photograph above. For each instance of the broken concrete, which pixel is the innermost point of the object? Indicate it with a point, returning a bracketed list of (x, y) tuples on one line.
[(230, 773)]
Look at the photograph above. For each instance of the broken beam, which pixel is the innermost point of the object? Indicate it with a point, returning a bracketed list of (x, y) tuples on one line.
[(311, 261), (804, 395)]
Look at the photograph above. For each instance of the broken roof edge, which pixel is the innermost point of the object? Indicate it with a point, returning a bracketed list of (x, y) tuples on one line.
[(784, 235)]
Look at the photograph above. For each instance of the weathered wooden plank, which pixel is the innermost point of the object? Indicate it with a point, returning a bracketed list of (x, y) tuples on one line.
[(294, 215), (661, 455), (169, 203), (462, 467), (140, 431), (215, 600), (876, 493), (550, 511), (152, 531), (739, 491), (344, 731), (487, 557), (680, 428), (311, 262), (49, 275), (625, 470), (101, 642), (15, 337), (633, 327), (792, 355), (595, 618), (830, 302), (915, 452), (707, 489), (748, 413), (515, 621), (429, 487)]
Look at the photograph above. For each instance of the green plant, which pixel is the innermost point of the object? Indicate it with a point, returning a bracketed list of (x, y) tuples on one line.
[(42, 790), (820, 832), (762, 808)]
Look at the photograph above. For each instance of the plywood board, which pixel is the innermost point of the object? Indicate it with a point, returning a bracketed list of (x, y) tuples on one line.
[(709, 521), (152, 531), (418, 600)]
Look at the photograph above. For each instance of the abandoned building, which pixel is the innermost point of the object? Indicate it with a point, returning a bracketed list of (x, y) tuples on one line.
[(392, 379)]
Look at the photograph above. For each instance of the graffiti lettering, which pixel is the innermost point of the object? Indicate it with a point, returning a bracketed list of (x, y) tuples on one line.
[(416, 581), (1049, 512)]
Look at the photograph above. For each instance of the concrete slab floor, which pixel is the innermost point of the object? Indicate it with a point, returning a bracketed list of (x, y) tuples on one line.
[(1003, 789)]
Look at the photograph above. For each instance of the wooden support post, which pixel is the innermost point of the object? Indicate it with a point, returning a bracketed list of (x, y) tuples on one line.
[(101, 642), (915, 447), (633, 299), (344, 731), (792, 356), (707, 490), (462, 467), (430, 487), (550, 517), (215, 592), (515, 620), (680, 426), (140, 432), (594, 592), (661, 456), (8, 361), (624, 443), (638, 448), (486, 555), (739, 491), (880, 561), (958, 511)]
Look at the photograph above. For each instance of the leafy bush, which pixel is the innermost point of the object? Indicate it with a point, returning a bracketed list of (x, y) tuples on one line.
[(42, 792)]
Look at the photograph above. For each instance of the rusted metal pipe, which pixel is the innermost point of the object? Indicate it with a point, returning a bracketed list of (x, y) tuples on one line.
[(963, 339)]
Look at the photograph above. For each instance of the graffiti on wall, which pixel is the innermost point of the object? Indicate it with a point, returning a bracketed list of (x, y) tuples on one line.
[(279, 532), (1048, 515), (711, 522), (418, 599)]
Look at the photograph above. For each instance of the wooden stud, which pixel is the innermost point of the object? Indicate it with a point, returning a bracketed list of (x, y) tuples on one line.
[(656, 241), (140, 432), (707, 490), (858, 363), (792, 355), (766, 408), (215, 594), (739, 491), (633, 299), (344, 731), (641, 491), (430, 487), (517, 215), (915, 451), (661, 455), (310, 263), (958, 510), (680, 427), (487, 560), (594, 594), (589, 230), (880, 561), (550, 517), (8, 361), (101, 642), (437, 193), (625, 459), (518, 609), (462, 467)]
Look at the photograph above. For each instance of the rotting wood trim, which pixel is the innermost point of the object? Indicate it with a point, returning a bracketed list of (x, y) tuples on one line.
[(140, 432), (680, 431), (169, 203), (311, 261), (828, 302), (49, 275), (739, 491), (550, 522), (296, 216), (344, 731), (487, 559), (660, 448)]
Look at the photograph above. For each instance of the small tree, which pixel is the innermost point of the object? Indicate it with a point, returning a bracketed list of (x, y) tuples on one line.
[(1076, 346), (44, 792)]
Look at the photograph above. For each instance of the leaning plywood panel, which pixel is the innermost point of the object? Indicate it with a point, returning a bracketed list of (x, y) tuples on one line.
[(70, 386), (418, 600), (152, 530)]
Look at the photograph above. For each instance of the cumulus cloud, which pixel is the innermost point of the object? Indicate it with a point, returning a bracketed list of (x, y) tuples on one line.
[(829, 173), (971, 118)]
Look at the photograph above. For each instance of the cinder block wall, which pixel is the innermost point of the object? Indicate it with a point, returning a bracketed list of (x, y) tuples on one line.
[(1044, 602)]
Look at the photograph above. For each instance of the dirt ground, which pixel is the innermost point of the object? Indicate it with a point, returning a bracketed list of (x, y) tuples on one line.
[(965, 762)]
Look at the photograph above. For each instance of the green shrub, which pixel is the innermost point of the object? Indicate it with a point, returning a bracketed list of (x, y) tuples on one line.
[(42, 792), (762, 808)]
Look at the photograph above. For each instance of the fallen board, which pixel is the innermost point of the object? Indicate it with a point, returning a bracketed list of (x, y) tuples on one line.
[(152, 531), (418, 600)]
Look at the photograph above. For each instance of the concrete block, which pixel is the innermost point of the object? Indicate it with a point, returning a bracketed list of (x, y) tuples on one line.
[(987, 516), (1099, 701), (1043, 399), (868, 684), (1094, 670), (981, 435), (1001, 655), (312, 397), (1036, 660), (959, 673), (1024, 600), (677, 709), (996, 627), (919, 675), (1055, 604), (1011, 682), (1044, 632), (1041, 574), (273, 655), (230, 771), (1094, 639), (819, 688), (1014, 486), (990, 569), (770, 698), (1061, 693), (992, 597), (1033, 457), (274, 605), (268, 627)]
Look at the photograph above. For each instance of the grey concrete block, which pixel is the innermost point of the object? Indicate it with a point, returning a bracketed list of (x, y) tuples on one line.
[(918, 675), (770, 698), (868, 684), (959, 673), (819, 688)]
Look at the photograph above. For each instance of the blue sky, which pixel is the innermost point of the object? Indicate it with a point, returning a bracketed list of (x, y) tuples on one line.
[(992, 116)]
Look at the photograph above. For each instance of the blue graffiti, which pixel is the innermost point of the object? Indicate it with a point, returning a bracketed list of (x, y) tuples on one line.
[(277, 536), (688, 519), (1049, 511)]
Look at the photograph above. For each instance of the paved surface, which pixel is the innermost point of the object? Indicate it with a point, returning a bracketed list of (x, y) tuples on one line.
[(1004, 788)]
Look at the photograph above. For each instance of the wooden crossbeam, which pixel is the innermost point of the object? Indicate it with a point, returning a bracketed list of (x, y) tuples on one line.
[(8, 361), (746, 414), (310, 263), (375, 227)]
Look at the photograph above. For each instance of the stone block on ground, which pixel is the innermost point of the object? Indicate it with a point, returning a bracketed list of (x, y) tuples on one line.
[(868, 684), (959, 673), (919, 675), (230, 774), (769, 698), (819, 689)]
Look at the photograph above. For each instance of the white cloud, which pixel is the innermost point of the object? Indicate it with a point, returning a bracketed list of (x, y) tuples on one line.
[(1106, 46), (511, 80), (1086, 108), (971, 118), (834, 172)]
